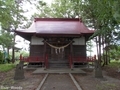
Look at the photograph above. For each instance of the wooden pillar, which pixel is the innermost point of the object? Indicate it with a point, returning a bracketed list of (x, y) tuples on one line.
[(71, 54), (45, 55), (71, 49), (44, 48)]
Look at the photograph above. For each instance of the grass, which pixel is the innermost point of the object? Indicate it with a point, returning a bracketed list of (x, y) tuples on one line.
[(6, 67), (106, 86), (114, 63)]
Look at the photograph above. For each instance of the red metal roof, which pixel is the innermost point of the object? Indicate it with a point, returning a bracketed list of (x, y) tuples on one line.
[(57, 26), (60, 26)]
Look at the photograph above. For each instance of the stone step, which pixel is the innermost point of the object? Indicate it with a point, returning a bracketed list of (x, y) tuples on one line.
[(35, 65), (58, 62), (59, 65), (52, 67)]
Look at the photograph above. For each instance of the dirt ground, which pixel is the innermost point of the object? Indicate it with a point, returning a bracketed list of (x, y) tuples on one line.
[(111, 80), (59, 82), (29, 83)]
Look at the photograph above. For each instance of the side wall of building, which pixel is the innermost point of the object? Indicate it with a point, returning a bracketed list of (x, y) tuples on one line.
[(36, 46), (79, 47)]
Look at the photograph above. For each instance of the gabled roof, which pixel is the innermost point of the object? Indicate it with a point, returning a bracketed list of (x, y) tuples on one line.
[(56, 27)]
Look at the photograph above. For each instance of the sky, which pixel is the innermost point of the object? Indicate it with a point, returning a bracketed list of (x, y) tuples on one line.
[(48, 1)]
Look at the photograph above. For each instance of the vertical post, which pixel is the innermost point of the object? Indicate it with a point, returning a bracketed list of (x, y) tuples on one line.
[(71, 54), (21, 58), (45, 55)]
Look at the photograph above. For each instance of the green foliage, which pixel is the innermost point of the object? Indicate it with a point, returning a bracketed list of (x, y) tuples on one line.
[(115, 52), (6, 67)]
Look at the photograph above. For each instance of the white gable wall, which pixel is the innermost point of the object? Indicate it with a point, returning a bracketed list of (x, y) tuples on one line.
[(79, 41), (36, 41)]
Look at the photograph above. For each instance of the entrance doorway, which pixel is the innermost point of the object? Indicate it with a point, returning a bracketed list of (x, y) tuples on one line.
[(57, 54), (59, 51)]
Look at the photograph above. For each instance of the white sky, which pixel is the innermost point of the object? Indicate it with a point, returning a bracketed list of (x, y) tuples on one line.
[(48, 1)]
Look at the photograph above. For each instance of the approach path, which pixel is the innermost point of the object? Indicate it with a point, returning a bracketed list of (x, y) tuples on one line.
[(58, 82)]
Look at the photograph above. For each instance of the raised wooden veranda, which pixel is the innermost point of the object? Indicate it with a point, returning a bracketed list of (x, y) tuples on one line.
[(45, 62)]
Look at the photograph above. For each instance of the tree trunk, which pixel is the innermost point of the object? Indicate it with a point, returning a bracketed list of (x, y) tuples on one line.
[(8, 51), (108, 56), (13, 50), (96, 40), (106, 62), (98, 70), (13, 55), (103, 46)]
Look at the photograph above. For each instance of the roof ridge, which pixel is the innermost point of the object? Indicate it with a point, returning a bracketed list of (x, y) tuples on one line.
[(57, 19)]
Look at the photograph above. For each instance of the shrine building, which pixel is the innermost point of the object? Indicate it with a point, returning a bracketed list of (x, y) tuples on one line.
[(56, 42)]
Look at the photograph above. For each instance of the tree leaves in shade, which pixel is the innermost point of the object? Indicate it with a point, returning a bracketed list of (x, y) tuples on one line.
[(116, 10), (6, 40), (11, 17), (5, 12), (99, 15), (11, 13)]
